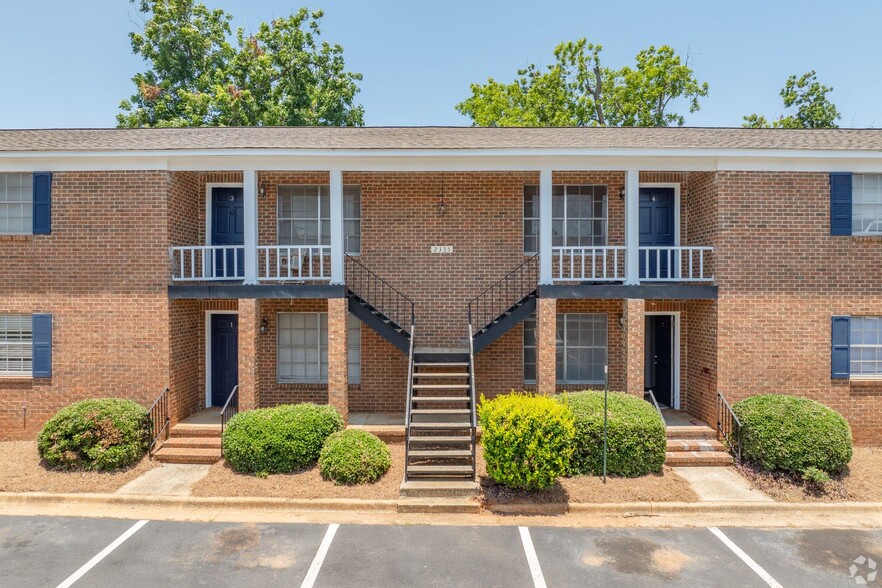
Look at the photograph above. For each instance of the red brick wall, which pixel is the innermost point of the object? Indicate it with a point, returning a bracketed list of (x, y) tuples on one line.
[(782, 276), (102, 273)]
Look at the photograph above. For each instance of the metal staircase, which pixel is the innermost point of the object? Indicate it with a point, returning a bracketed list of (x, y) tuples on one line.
[(441, 419), (503, 305), (379, 305)]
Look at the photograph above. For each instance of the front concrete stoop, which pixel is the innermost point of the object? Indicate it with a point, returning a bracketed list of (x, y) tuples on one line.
[(439, 496), (191, 443), (691, 446)]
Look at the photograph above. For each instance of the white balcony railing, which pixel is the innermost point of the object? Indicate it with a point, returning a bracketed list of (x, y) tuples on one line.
[(589, 264), (205, 263), (676, 264), (296, 263)]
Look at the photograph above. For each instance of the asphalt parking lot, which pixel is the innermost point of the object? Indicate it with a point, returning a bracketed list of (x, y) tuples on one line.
[(83, 552)]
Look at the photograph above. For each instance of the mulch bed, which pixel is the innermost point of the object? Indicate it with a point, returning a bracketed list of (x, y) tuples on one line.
[(302, 484), (664, 487), (861, 481), (22, 470)]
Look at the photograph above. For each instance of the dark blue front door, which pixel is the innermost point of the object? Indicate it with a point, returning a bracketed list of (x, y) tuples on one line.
[(228, 228), (657, 231), (224, 356)]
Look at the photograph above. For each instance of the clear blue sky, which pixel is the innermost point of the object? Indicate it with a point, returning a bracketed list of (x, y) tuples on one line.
[(68, 64)]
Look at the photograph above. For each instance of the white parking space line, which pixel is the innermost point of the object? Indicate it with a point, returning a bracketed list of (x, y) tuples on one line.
[(532, 559), (319, 558), (101, 555), (745, 558)]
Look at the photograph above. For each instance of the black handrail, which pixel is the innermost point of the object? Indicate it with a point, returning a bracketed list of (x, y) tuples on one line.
[(159, 419), (472, 399), (502, 296), (230, 409), (409, 401), (379, 294), (655, 404), (729, 426)]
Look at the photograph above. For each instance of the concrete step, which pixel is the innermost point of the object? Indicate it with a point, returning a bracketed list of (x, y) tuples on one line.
[(463, 374), (695, 445), (441, 386), (697, 458), (444, 364), (193, 442), (690, 432), (439, 453), (440, 411), (438, 489), (458, 398), (187, 455), (187, 430), (440, 470), (439, 505), (457, 426)]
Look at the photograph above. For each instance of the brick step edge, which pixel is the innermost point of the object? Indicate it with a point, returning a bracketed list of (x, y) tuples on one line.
[(187, 455), (677, 445), (195, 431), (192, 443), (697, 458), (690, 432)]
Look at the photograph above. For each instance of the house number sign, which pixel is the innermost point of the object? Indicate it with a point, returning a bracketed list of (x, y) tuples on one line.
[(442, 249)]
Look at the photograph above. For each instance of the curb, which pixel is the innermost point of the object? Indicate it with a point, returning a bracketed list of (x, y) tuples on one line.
[(652, 509), (199, 502)]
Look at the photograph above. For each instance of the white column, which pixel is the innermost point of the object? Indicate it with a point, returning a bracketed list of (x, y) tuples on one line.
[(249, 177), (337, 257), (632, 227), (545, 253)]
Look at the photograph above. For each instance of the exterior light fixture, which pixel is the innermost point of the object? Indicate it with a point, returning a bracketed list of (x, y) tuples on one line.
[(264, 327), (622, 321), (622, 194), (441, 207), (261, 191)]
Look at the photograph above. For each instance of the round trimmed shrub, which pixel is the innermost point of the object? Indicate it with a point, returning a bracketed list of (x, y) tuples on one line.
[(793, 434), (635, 432), (527, 439), (98, 434), (279, 439), (354, 457)]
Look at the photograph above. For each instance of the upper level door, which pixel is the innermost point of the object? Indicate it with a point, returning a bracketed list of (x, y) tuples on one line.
[(657, 231), (228, 228)]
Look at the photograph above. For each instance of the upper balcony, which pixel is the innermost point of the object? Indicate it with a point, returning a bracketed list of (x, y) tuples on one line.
[(275, 263)]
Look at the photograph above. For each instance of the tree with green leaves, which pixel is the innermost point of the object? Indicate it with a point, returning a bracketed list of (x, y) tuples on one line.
[(810, 107), (577, 90), (199, 74)]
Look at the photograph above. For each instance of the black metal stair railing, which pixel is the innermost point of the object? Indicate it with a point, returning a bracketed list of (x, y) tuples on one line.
[(159, 420), (504, 295), (729, 427), (230, 409), (380, 295)]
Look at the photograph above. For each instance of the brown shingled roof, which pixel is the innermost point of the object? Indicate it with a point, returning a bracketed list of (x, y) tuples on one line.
[(436, 138)]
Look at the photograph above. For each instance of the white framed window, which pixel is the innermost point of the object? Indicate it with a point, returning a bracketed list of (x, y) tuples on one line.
[(16, 204), (866, 204), (578, 216), (865, 346), (581, 346), (304, 216), (302, 348), (16, 345)]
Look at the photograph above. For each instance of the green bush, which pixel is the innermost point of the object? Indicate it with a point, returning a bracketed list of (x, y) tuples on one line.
[(100, 434), (354, 457), (793, 434), (635, 432), (527, 439), (279, 439)]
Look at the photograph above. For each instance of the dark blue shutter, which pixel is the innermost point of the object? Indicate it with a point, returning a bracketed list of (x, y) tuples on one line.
[(840, 356), (840, 204), (42, 203), (42, 329)]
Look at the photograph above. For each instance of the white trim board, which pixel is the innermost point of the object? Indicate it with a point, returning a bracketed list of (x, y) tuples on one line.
[(208, 314), (675, 359)]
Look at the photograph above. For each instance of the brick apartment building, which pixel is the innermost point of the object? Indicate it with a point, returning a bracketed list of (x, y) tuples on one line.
[(285, 260)]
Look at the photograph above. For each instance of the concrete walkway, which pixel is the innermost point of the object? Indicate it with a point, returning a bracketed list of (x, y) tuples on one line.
[(713, 484), (170, 479)]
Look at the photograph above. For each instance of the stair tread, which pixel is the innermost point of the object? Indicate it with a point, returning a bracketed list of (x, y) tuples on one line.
[(440, 439), (192, 442), (441, 363), (461, 398), (189, 451), (440, 411), (679, 445), (440, 469), (441, 386), (465, 425), (440, 453), (464, 374)]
